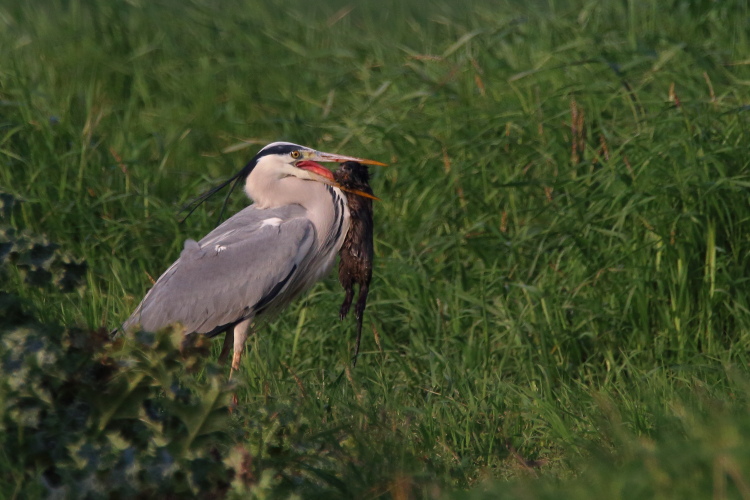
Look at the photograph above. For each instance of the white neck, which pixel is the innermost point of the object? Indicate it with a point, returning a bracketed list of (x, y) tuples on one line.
[(272, 185)]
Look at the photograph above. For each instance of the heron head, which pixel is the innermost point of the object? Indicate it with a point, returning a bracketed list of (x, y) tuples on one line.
[(290, 159), (284, 159)]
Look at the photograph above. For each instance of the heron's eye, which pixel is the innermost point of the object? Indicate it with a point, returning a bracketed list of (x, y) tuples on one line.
[(295, 154)]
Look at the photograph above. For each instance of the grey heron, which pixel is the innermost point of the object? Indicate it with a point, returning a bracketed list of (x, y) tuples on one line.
[(257, 261)]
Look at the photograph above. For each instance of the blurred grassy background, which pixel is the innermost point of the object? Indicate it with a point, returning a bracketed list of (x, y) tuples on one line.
[(560, 296)]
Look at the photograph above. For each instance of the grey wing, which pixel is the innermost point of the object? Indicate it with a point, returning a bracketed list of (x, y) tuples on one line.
[(231, 274)]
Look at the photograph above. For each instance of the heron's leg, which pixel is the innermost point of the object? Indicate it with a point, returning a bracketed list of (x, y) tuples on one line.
[(228, 340), (240, 336)]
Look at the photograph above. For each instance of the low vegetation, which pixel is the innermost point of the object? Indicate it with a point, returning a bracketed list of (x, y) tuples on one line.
[(559, 306)]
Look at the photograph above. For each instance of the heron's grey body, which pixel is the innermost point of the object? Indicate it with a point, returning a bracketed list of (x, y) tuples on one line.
[(212, 286), (258, 260)]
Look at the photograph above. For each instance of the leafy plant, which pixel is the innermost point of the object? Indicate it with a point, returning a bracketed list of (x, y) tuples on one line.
[(39, 262)]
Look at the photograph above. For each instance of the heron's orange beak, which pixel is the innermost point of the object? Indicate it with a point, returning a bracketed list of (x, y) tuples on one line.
[(324, 157), (327, 177), (309, 164), (358, 192)]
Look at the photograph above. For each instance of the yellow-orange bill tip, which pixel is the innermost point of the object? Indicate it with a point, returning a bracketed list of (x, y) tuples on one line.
[(359, 193), (372, 162)]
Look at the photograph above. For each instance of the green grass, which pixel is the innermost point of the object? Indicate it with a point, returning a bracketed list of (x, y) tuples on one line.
[(587, 309)]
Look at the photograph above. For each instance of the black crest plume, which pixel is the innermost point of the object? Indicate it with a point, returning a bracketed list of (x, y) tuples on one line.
[(241, 176)]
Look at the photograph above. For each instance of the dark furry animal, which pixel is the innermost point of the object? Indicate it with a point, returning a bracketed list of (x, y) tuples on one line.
[(355, 264)]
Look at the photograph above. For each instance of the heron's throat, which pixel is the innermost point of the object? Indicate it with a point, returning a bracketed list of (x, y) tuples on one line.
[(271, 187), (271, 190)]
